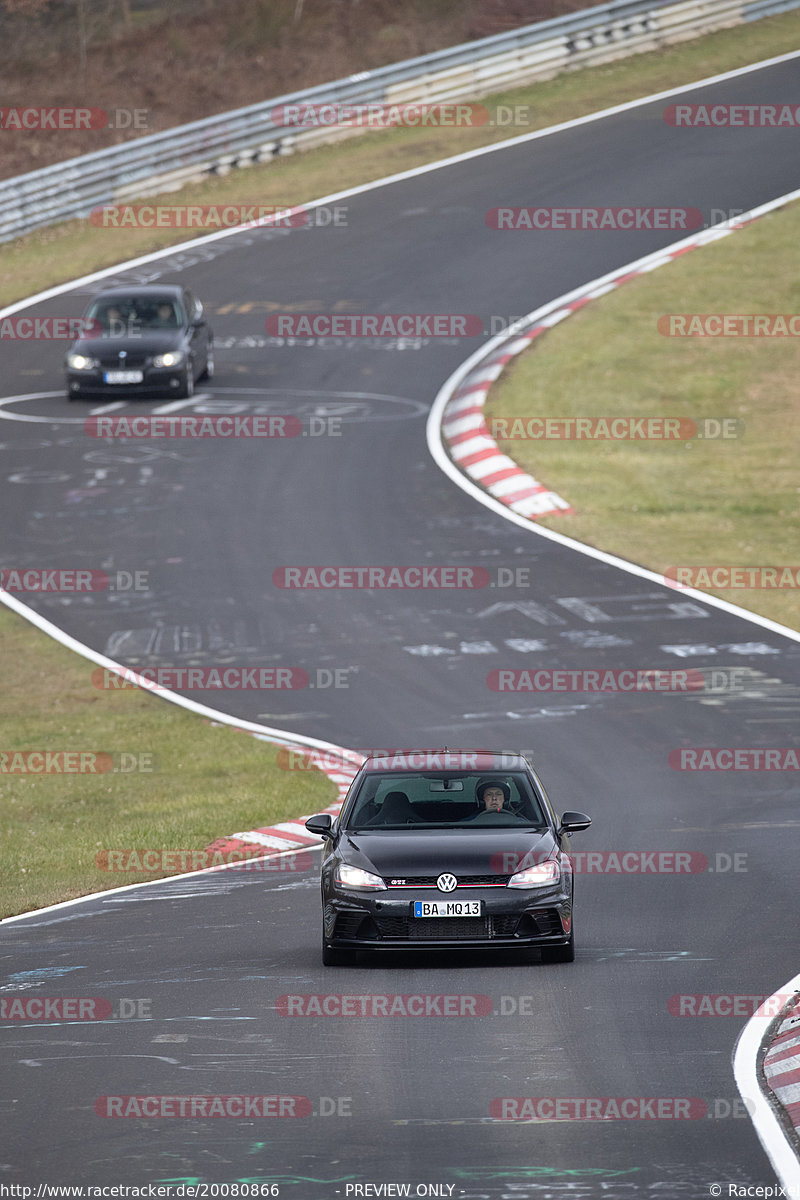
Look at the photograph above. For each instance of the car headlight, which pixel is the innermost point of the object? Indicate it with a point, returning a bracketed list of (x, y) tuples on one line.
[(542, 875), (173, 358), (81, 362), (354, 877)]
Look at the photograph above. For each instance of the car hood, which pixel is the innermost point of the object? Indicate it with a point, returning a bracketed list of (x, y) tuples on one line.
[(479, 851), (151, 341)]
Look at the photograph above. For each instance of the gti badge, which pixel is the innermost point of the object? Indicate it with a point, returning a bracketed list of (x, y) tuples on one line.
[(447, 883)]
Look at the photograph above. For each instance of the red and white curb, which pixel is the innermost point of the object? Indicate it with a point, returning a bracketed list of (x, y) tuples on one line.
[(782, 1065), (475, 451), (769, 1082), (463, 428)]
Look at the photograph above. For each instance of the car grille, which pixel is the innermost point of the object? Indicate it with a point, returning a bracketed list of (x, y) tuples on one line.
[(359, 925), (448, 929), (112, 362), (429, 881)]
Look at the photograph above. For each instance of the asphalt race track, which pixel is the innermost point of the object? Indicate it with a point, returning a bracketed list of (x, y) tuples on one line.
[(405, 1099)]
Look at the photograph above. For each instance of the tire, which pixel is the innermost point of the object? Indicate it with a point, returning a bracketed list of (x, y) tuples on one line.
[(186, 388), (208, 370), (560, 954)]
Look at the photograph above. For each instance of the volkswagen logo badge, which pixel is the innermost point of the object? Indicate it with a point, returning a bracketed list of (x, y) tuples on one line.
[(447, 883)]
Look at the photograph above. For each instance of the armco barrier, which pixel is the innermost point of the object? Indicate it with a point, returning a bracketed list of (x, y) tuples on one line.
[(166, 161)]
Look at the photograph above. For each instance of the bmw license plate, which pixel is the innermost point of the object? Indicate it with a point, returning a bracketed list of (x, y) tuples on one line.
[(123, 377), (447, 908)]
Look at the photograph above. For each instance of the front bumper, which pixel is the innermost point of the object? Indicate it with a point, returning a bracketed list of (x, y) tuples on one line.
[(380, 920), (155, 382)]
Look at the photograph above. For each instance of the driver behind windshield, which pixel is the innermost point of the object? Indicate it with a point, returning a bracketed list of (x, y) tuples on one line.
[(493, 796)]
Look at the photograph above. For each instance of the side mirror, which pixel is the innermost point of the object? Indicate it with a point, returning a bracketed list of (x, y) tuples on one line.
[(320, 824), (574, 822)]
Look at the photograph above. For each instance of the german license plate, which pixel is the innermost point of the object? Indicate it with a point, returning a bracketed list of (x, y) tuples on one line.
[(123, 376), (447, 908)]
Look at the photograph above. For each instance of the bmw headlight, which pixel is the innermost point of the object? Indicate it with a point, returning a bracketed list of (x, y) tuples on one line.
[(354, 877), (173, 358), (81, 362), (544, 874)]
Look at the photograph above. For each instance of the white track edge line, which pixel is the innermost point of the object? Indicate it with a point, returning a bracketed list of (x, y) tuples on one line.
[(129, 887)]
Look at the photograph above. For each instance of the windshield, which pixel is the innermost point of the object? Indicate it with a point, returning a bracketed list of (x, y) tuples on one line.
[(446, 800), (125, 315)]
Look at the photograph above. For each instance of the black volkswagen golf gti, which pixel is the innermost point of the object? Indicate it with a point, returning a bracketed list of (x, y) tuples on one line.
[(447, 848), (142, 340)]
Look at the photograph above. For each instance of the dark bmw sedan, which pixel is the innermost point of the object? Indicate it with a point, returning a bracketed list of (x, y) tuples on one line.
[(447, 848), (148, 340)]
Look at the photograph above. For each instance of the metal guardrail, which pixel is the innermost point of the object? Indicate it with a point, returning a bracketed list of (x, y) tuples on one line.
[(166, 161)]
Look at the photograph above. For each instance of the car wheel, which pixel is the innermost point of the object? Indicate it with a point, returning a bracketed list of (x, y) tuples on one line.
[(336, 958), (208, 370), (186, 386), (560, 954)]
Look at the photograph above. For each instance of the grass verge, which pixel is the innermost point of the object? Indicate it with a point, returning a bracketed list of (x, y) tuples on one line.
[(64, 252), (201, 780), (731, 501)]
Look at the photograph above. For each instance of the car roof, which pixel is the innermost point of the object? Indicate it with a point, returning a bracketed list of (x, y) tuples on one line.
[(142, 289), (426, 759)]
